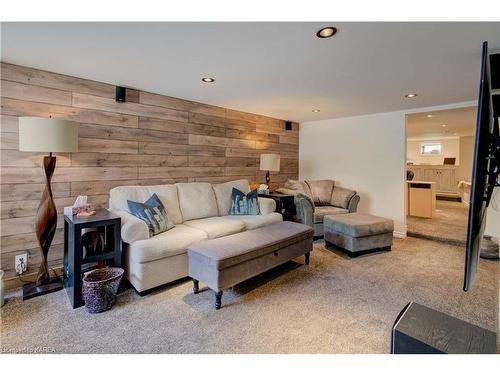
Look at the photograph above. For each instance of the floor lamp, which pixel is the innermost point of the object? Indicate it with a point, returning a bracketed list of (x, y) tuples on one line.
[(46, 135)]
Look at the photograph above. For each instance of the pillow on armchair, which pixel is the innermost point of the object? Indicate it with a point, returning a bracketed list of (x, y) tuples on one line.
[(341, 197), (321, 191)]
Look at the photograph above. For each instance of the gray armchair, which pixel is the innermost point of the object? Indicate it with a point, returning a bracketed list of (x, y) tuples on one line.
[(314, 199)]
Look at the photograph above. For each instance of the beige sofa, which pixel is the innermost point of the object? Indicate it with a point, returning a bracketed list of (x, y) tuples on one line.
[(198, 210)]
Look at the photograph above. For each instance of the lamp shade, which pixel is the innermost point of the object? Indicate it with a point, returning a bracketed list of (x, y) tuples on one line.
[(47, 135), (269, 162)]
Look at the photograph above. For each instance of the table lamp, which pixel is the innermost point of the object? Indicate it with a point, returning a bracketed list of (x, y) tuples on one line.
[(46, 135), (269, 162)]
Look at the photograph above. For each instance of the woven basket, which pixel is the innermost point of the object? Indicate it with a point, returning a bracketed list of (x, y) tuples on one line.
[(100, 287)]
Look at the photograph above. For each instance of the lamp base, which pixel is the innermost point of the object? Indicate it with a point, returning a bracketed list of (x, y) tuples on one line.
[(31, 290)]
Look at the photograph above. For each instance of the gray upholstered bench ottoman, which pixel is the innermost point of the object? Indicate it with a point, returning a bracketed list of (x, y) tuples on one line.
[(224, 262), (358, 233)]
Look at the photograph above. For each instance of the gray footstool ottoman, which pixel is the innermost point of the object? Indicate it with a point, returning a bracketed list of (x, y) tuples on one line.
[(358, 233), (223, 262)]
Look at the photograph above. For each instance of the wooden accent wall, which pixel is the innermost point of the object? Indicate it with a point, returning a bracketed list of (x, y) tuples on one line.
[(153, 139)]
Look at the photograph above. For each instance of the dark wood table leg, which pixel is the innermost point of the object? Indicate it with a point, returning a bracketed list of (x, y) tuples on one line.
[(196, 286), (218, 298), (306, 255)]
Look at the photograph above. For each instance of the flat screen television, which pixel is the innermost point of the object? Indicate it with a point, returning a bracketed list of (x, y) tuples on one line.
[(485, 170)]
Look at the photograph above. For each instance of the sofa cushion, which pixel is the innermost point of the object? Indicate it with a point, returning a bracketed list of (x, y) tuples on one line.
[(341, 197), (153, 213), (196, 200), (166, 244), (358, 225), (298, 186), (321, 212), (321, 191), (257, 221), (244, 204), (217, 226), (118, 197), (223, 194)]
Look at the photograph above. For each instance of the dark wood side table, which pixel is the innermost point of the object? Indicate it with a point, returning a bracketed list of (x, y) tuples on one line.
[(106, 223), (284, 204)]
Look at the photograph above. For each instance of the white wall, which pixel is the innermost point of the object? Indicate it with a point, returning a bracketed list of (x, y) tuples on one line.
[(493, 216), (466, 156), (450, 148), (365, 153)]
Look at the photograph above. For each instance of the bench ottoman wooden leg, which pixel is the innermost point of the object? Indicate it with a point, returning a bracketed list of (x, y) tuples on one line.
[(196, 286), (218, 299)]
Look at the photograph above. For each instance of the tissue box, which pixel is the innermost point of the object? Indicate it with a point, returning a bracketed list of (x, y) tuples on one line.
[(72, 210)]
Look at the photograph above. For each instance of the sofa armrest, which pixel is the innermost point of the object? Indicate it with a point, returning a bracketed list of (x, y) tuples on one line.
[(304, 209), (133, 228), (266, 205), (295, 193), (341, 197), (353, 203)]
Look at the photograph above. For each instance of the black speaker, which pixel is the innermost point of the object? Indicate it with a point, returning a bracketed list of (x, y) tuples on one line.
[(288, 125), (121, 93), (421, 330)]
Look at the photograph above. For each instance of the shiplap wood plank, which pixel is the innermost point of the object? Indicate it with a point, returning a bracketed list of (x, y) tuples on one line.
[(15, 158), (174, 172), (163, 125), (105, 104), (242, 162), (42, 78), (91, 159), (240, 171), (28, 207), (127, 134), (16, 90), (20, 225), (157, 148), (11, 175), (9, 124), (200, 129), (195, 139), (107, 146), (252, 136), (23, 241), (23, 191), (16, 107), (9, 141), (222, 179), (203, 161), (180, 104)]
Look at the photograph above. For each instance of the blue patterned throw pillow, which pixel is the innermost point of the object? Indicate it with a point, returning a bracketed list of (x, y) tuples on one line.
[(153, 214), (244, 204)]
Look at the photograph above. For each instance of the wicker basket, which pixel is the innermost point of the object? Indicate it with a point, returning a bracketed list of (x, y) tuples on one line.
[(100, 287)]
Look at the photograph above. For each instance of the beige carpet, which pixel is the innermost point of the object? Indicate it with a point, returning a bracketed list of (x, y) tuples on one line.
[(449, 223), (335, 305)]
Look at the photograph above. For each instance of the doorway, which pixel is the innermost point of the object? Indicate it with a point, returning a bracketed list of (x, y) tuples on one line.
[(439, 153)]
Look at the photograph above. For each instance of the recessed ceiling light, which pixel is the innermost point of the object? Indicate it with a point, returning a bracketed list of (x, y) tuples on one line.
[(208, 80), (315, 110), (429, 116), (443, 125), (326, 32), (409, 96)]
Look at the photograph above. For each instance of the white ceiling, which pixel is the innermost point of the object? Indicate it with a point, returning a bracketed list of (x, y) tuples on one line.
[(459, 122), (277, 69)]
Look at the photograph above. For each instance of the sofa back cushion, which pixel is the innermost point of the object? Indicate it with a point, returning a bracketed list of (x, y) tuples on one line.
[(223, 194), (196, 200), (298, 186), (321, 191), (118, 197), (341, 197)]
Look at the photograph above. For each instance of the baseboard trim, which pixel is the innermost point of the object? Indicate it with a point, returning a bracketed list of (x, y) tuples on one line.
[(15, 282), (400, 230)]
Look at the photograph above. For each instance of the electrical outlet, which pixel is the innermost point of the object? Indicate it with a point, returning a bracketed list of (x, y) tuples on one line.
[(21, 263)]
